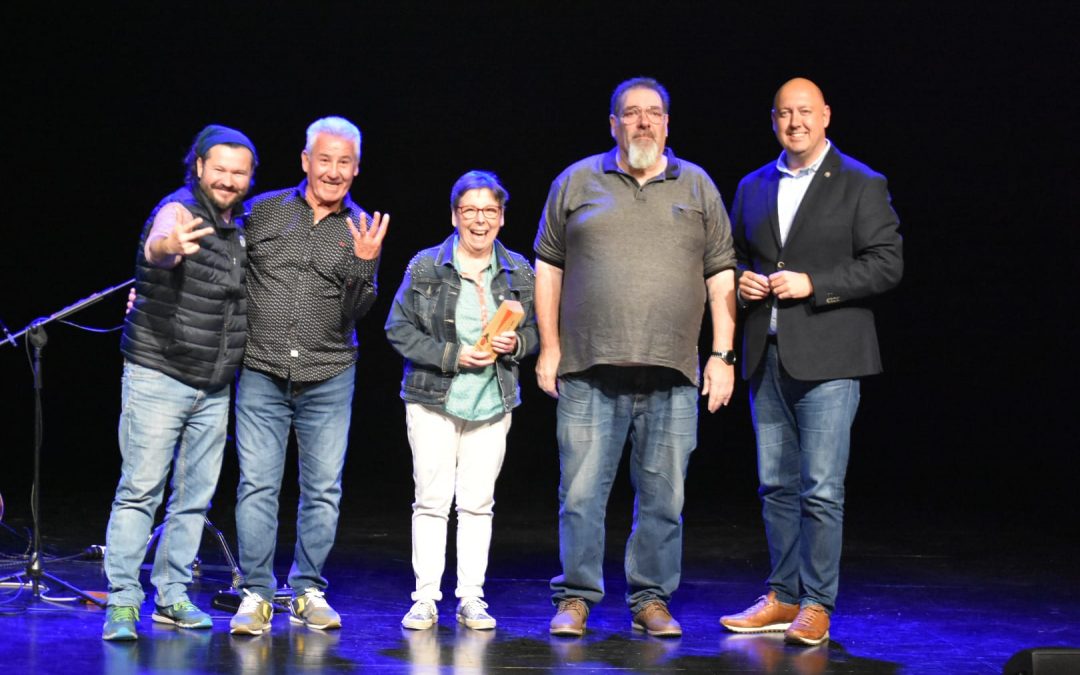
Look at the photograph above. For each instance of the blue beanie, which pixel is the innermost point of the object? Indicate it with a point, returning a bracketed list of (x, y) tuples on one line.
[(215, 134)]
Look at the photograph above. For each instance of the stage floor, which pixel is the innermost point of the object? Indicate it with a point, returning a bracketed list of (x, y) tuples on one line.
[(934, 598)]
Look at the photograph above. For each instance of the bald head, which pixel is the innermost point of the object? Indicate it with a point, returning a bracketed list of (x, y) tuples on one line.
[(799, 85), (800, 117)]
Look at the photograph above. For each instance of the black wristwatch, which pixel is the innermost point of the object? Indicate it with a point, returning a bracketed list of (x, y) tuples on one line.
[(727, 357)]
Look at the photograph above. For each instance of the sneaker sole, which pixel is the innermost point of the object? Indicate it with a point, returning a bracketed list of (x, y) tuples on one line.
[(419, 625), (567, 632), (796, 640), (770, 628), (476, 625), (656, 633), (297, 620), (248, 630), (161, 618)]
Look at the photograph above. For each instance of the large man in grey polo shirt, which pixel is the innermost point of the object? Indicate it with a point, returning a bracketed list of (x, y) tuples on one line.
[(631, 244)]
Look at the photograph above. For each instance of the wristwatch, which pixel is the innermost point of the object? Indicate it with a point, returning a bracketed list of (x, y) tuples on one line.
[(727, 357)]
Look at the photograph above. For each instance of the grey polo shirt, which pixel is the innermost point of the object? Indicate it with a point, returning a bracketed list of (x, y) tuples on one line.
[(634, 260)]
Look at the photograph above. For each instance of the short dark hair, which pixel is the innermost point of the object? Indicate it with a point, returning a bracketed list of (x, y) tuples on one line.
[(639, 83), (478, 180)]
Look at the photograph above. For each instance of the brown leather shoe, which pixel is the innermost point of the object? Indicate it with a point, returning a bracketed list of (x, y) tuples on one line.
[(569, 620), (810, 627), (767, 614), (655, 619)]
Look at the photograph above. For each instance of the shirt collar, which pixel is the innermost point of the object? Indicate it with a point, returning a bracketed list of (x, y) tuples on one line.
[(346, 203), (448, 252), (493, 261), (781, 164)]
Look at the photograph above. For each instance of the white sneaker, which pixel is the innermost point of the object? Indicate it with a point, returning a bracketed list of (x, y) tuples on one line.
[(421, 616), (473, 613)]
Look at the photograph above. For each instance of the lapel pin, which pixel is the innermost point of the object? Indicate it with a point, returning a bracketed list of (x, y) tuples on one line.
[(828, 174)]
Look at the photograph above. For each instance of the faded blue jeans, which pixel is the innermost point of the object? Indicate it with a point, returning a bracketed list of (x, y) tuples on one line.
[(164, 424), (598, 411), (267, 407), (803, 438)]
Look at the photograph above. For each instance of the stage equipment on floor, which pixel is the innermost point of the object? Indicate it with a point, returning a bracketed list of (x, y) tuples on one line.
[(1044, 661), (196, 567), (37, 338)]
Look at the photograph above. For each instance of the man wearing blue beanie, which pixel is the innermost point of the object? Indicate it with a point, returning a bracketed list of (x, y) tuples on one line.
[(183, 341)]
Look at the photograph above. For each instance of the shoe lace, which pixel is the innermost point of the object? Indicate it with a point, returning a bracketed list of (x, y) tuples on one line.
[(473, 606), (654, 607), (574, 605), (250, 602), (762, 603), (121, 613), (423, 608), (316, 598), (184, 606), (806, 616)]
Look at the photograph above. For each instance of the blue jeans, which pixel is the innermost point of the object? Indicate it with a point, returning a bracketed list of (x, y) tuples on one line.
[(598, 410), (164, 424), (803, 438), (266, 408)]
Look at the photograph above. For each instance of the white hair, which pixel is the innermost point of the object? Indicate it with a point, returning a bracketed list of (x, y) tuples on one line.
[(335, 126)]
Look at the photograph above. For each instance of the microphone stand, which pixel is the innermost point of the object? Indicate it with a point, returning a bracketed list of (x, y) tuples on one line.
[(38, 339)]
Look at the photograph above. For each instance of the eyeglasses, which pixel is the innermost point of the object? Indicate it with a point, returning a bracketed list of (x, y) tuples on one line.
[(470, 212), (631, 115)]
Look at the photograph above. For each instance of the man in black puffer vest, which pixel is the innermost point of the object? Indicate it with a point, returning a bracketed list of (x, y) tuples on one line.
[(183, 342)]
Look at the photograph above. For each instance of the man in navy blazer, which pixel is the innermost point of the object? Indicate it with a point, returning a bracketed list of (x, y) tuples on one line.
[(816, 239)]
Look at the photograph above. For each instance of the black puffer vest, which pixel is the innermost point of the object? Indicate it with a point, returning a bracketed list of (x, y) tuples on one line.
[(190, 322)]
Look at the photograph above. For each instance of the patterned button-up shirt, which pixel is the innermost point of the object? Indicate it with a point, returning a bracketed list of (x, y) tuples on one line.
[(306, 288)]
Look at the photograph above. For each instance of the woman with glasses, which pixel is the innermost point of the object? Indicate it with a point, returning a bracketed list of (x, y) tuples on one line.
[(458, 395)]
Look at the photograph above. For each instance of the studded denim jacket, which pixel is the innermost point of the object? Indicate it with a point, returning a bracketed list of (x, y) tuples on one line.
[(421, 323)]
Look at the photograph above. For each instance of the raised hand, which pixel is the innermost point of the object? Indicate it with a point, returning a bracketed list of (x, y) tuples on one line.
[(183, 238), (368, 238)]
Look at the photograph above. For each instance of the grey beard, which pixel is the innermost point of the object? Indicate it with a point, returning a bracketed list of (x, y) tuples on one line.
[(642, 155)]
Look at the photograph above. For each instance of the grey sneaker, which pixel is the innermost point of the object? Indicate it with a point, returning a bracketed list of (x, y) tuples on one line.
[(312, 610), (183, 614), (473, 613), (421, 616), (120, 623), (253, 616)]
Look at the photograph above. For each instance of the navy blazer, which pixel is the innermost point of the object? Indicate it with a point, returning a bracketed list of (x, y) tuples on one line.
[(845, 236)]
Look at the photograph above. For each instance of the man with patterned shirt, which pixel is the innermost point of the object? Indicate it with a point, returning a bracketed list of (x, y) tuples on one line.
[(313, 259), (631, 245)]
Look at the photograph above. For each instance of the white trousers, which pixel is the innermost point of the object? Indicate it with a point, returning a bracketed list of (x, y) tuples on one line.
[(454, 460)]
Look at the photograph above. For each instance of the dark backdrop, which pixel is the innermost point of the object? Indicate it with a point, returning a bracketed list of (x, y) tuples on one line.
[(962, 107)]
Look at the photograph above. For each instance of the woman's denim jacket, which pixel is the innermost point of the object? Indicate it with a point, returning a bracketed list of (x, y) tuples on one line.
[(421, 323)]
